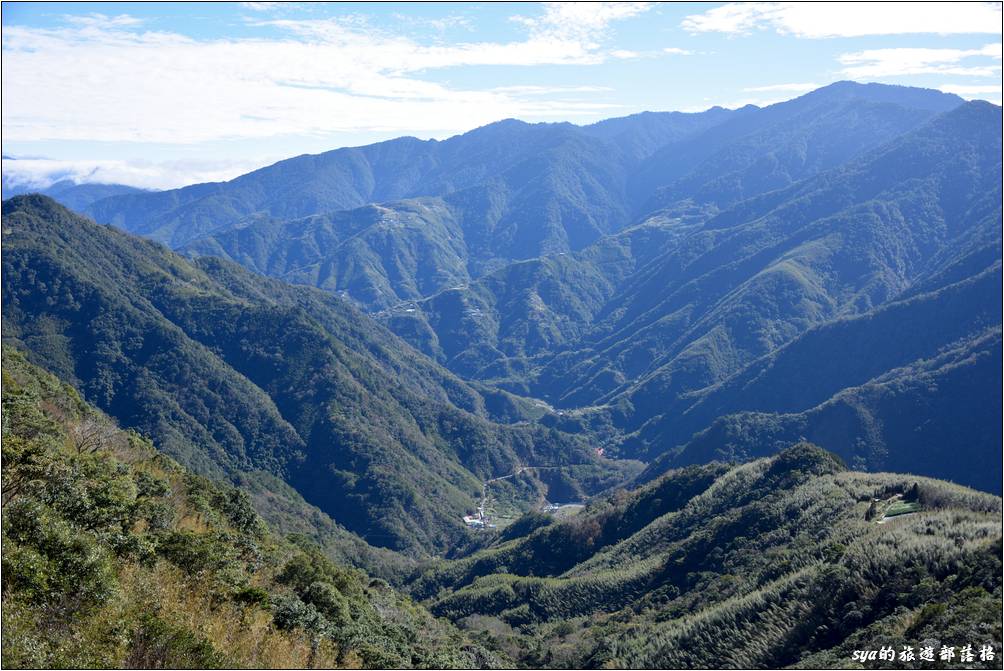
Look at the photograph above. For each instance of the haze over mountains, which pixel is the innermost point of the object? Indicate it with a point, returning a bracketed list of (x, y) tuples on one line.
[(69, 192), (632, 272)]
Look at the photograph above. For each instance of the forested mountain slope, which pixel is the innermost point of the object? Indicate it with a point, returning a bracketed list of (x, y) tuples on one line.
[(511, 190), (757, 275), (905, 387), (287, 388), (762, 313), (114, 555), (931, 416), (762, 150), (772, 222), (379, 255), (523, 189), (431, 251), (776, 562), (773, 306)]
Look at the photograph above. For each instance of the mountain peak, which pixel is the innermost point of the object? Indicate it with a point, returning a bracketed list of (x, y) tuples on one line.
[(906, 96), (32, 201)]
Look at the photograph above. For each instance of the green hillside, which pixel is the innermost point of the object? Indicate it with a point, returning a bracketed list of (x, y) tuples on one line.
[(510, 191), (875, 427), (782, 561), (115, 555), (756, 276), (776, 305), (760, 150), (379, 256), (523, 189)]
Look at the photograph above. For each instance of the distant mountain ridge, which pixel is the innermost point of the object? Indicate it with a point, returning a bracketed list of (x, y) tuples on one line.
[(624, 272), (571, 181), (567, 187)]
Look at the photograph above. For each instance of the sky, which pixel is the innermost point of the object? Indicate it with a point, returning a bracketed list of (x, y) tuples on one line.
[(158, 95)]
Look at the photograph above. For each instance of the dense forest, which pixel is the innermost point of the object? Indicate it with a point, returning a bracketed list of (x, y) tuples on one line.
[(639, 294), (271, 385)]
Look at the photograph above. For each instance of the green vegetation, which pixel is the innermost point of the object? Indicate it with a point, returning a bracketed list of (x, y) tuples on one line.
[(874, 426), (768, 564), (286, 389), (826, 311), (903, 508), (764, 150), (116, 556)]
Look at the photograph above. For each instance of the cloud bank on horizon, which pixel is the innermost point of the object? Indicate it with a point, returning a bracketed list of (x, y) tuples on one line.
[(161, 95)]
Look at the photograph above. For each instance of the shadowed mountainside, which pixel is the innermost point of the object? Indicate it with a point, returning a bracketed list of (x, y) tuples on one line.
[(244, 377)]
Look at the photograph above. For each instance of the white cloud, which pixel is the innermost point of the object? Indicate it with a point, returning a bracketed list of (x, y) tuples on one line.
[(262, 6), (970, 89), (788, 88), (918, 61), (583, 22), (989, 92), (441, 24), (546, 90), (102, 20), (849, 19), (107, 79), (39, 173), (734, 19), (676, 51)]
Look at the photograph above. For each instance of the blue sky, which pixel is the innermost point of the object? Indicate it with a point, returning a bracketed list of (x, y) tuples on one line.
[(160, 95)]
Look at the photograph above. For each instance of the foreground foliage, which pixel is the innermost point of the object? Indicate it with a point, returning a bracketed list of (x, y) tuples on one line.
[(116, 556)]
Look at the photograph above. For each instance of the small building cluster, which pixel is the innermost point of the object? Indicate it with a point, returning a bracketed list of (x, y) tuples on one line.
[(477, 522)]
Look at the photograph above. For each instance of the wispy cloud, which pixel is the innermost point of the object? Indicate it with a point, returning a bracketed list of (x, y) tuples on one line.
[(440, 24), (261, 6), (677, 51), (102, 20), (970, 89), (546, 90), (917, 61), (583, 22), (108, 79), (39, 173), (849, 19), (990, 92)]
